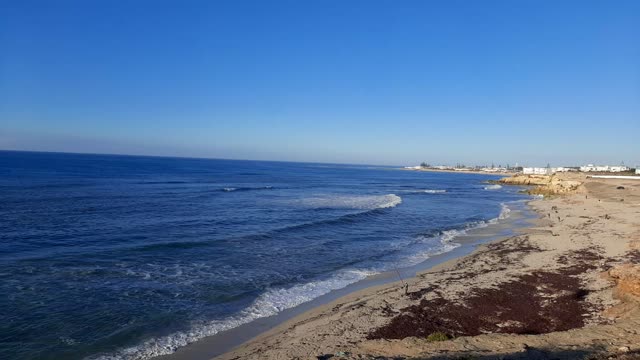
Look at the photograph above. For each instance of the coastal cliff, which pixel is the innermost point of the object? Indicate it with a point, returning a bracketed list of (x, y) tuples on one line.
[(545, 184)]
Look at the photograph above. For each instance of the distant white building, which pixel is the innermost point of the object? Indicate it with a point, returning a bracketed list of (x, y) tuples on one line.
[(603, 168), (536, 171), (620, 168), (546, 170), (591, 167), (637, 170)]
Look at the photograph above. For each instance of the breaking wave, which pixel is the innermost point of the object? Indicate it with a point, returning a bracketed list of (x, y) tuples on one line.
[(362, 202), (230, 189), (428, 191), (493, 187), (269, 303), (505, 211), (370, 205), (275, 300), (447, 237)]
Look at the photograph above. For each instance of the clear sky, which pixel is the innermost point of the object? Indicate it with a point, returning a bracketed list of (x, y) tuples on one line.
[(379, 82)]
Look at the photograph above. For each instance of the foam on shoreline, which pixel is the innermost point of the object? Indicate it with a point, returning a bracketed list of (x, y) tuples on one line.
[(275, 300)]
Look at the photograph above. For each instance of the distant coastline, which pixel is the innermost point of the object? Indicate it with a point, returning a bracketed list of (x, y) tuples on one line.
[(590, 169), (462, 171)]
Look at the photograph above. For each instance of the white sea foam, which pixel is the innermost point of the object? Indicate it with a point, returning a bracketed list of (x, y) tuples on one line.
[(505, 212), (424, 191), (276, 300), (269, 303), (421, 256), (230, 189), (493, 187), (447, 237), (431, 191), (362, 202)]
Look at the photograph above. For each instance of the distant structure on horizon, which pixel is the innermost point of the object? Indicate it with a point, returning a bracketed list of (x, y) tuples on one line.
[(586, 168), (603, 168), (536, 170), (547, 170), (463, 168), (527, 170)]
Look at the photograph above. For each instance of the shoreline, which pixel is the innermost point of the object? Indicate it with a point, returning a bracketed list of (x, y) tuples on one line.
[(575, 267), (568, 287), (219, 345)]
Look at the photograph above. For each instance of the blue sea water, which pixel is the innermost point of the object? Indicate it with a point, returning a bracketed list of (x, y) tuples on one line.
[(125, 257)]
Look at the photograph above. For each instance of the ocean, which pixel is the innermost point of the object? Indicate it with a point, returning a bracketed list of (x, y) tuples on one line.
[(129, 257)]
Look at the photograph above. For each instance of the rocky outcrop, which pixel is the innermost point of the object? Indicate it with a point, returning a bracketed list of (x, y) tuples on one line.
[(526, 180), (544, 184)]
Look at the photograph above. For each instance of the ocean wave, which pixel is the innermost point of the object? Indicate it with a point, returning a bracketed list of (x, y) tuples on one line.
[(427, 191), (168, 182), (339, 220), (447, 237), (269, 303), (505, 212), (360, 202), (275, 300), (230, 189), (493, 187), (422, 255)]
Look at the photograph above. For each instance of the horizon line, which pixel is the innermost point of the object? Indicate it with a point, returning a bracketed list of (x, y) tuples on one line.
[(191, 157), (265, 160)]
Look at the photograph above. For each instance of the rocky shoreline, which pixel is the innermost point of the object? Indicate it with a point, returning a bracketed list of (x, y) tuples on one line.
[(547, 184)]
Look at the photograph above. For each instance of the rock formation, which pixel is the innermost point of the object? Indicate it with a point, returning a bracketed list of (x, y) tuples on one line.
[(544, 184)]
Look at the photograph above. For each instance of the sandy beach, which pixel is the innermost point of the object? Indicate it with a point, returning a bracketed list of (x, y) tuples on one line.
[(566, 287)]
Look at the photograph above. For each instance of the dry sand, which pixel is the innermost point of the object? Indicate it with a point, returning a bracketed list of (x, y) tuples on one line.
[(560, 289)]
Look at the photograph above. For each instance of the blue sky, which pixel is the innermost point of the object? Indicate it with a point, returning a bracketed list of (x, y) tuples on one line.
[(381, 82)]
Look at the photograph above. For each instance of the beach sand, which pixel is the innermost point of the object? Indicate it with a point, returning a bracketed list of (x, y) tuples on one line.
[(566, 287)]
